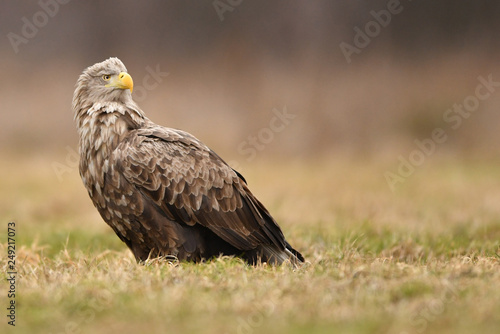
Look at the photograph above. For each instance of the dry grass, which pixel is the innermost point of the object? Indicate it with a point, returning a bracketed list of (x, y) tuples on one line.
[(424, 259)]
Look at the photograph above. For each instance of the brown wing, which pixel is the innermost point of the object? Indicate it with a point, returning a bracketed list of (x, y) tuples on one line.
[(192, 185)]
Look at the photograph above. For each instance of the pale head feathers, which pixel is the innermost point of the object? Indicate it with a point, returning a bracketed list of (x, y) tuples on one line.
[(91, 91)]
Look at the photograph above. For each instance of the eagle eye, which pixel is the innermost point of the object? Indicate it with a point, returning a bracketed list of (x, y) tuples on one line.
[(106, 77)]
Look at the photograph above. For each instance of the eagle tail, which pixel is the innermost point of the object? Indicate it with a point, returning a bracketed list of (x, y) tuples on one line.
[(274, 255)]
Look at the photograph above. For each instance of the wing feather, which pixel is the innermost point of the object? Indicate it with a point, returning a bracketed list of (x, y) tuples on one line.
[(193, 185)]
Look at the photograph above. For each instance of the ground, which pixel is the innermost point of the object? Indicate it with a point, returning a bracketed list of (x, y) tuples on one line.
[(423, 258)]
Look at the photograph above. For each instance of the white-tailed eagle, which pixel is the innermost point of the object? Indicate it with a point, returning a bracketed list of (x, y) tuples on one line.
[(161, 190)]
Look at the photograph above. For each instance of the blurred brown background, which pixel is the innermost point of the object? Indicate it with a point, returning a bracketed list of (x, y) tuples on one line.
[(231, 63)]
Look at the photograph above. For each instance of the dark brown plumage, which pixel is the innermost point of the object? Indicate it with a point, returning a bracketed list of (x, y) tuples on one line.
[(162, 190)]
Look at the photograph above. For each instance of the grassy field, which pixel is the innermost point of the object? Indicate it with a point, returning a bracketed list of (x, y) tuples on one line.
[(422, 259)]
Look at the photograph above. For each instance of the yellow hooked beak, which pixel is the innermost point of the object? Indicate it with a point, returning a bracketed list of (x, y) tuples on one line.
[(123, 81)]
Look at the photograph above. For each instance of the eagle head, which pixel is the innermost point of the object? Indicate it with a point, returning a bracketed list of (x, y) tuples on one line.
[(107, 81)]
